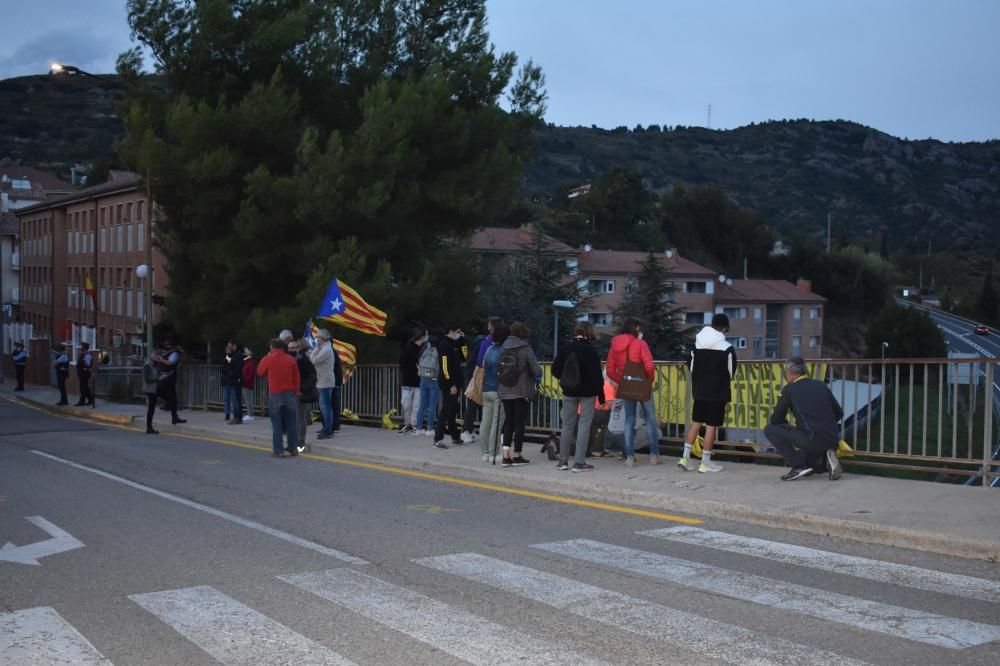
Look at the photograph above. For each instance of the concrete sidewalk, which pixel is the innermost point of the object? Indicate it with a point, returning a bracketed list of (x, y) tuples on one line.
[(953, 520)]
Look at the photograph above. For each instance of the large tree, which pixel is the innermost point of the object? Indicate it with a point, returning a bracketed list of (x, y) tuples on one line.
[(287, 125), (649, 297)]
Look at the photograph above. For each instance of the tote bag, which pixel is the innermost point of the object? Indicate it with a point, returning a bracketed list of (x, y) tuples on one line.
[(635, 385)]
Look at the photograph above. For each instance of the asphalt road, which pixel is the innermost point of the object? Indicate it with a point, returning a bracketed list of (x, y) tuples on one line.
[(180, 550)]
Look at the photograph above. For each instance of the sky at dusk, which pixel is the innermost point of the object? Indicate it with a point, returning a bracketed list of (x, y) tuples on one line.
[(911, 68)]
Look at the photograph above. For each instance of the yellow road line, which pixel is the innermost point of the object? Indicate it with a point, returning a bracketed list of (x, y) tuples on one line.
[(456, 481), (441, 478)]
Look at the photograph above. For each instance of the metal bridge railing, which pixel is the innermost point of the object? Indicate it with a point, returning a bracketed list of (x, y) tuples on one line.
[(926, 416)]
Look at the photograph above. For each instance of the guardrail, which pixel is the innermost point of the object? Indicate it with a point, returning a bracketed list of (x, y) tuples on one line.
[(933, 417)]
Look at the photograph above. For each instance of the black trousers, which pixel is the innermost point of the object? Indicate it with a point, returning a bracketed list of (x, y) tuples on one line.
[(150, 409), (86, 397), (19, 372), (470, 415), (797, 447), (447, 417), (167, 390), (61, 383), (515, 419)]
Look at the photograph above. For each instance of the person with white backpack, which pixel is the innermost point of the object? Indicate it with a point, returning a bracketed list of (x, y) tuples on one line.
[(428, 367)]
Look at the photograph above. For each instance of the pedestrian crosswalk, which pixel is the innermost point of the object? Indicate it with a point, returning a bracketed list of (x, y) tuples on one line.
[(387, 608)]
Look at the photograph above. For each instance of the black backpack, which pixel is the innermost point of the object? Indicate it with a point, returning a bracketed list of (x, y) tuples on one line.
[(508, 371), (570, 380)]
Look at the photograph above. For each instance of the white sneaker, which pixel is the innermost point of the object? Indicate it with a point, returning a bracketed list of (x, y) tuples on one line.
[(429, 433), (685, 464), (710, 467), (468, 437), (247, 418), (630, 461)]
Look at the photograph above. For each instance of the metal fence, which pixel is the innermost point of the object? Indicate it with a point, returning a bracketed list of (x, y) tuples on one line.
[(926, 417)]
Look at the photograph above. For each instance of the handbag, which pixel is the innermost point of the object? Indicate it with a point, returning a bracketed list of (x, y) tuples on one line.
[(474, 391), (635, 385), (616, 422)]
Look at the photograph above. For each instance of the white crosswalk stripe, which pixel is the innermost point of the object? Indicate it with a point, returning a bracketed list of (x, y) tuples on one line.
[(232, 632), (860, 567), (896, 621), (42, 636), (449, 629), (728, 643)]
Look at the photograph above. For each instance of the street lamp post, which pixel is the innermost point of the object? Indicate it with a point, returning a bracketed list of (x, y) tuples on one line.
[(556, 306), (885, 345), (144, 272)]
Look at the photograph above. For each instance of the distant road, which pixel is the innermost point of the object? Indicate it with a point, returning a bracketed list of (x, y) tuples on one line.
[(959, 333)]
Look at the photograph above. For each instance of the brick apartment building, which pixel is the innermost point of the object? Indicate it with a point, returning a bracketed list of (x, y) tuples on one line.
[(768, 318), (98, 232)]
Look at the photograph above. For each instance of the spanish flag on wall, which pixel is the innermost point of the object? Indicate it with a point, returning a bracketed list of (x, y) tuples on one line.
[(90, 290), (345, 306)]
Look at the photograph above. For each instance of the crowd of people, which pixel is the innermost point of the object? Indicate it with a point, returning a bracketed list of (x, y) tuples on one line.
[(498, 376)]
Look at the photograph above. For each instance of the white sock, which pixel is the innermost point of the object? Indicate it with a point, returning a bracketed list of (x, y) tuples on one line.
[(687, 452), (706, 457), (506, 452)]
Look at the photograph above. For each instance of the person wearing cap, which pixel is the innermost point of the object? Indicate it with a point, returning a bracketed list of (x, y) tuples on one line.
[(84, 366), (61, 364), (325, 361), (168, 362), (20, 361), (712, 365), (811, 444)]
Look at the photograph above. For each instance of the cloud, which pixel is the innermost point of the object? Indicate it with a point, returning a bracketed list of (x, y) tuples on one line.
[(78, 46)]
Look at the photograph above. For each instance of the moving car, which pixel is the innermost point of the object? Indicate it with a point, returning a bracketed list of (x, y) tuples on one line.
[(982, 330)]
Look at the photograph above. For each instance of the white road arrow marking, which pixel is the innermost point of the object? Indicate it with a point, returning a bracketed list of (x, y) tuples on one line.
[(60, 542)]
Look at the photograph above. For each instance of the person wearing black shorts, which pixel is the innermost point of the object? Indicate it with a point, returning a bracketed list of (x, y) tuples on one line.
[(712, 366)]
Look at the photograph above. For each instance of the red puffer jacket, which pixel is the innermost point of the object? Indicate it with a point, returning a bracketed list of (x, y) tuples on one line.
[(638, 351), (249, 372)]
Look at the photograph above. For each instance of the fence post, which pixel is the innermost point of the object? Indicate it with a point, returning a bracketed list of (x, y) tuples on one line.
[(988, 426)]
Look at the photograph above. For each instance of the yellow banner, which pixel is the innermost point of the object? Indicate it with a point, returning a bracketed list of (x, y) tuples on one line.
[(755, 391)]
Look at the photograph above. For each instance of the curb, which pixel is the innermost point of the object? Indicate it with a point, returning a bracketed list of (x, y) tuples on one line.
[(975, 549), (64, 410)]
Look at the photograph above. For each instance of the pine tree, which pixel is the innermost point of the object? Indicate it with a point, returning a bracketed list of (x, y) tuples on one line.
[(986, 304), (650, 299), (523, 286), (284, 126)]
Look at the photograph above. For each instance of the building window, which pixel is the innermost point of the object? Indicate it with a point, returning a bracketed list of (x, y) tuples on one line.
[(629, 286), (814, 313), (757, 345), (738, 343), (735, 313), (601, 318), (796, 345), (796, 319), (814, 341), (601, 286), (694, 317), (695, 288)]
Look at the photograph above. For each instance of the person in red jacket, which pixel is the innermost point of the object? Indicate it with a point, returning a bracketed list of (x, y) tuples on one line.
[(629, 345), (249, 378), (283, 388)]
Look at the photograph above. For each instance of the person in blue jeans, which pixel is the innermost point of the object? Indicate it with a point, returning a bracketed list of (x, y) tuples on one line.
[(284, 386), (428, 368), (325, 360), (625, 347), (232, 383)]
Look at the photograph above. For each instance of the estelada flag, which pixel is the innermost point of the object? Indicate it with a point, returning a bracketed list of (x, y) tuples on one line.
[(345, 306), (348, 354), (90, 290)]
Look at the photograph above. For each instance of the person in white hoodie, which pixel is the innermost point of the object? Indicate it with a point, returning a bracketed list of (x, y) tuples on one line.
[(712, 366)]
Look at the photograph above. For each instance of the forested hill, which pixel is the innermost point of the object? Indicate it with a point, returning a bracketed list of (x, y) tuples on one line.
[(796, 172)]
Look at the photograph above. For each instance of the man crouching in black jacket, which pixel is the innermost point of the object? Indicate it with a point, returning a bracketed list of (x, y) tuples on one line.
[(811, 444)]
